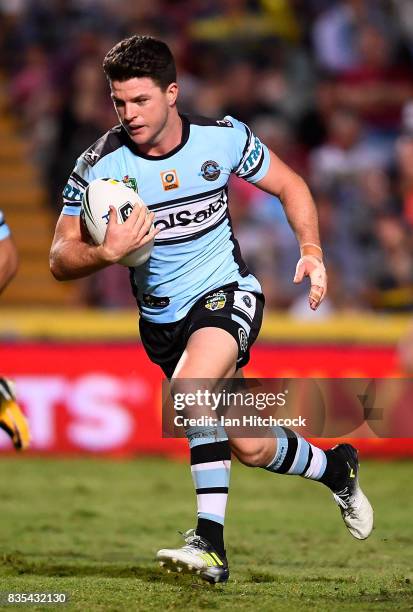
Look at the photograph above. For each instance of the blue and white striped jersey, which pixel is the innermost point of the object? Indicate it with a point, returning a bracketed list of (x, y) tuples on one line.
[(195, 250), (4, 228)]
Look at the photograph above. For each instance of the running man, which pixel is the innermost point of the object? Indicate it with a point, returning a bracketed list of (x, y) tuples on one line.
[(195, 293)]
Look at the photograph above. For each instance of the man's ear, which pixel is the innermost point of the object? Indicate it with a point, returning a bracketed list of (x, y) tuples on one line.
[(172, 93)]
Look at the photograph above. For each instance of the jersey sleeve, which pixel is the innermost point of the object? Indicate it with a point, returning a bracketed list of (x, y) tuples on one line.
[(249, 156), (4, 228), (75, 187)]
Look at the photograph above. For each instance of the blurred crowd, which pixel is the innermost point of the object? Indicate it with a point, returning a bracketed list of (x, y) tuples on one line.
[(328, 85)]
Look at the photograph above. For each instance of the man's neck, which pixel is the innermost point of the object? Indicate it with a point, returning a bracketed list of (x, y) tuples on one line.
[(167, 140)]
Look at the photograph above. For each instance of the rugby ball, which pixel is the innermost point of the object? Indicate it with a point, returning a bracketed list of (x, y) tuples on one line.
[(98, 196)]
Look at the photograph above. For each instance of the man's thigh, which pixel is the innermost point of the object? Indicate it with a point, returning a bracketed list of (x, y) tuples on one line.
[(210, 353)]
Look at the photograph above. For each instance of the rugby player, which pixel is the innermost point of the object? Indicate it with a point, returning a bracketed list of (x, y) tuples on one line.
[(12, 420), (195, 293)]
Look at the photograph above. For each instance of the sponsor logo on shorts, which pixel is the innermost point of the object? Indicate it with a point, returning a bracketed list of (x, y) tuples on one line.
[(169, 180), (152, 301), (216, 301), (247, 301), (243, 340), (131, 182), (125, 211), (210, 170)]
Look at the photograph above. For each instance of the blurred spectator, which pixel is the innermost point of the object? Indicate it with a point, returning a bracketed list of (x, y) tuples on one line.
[(377, 87), (390, 266), (346, 152), (278, 134), (32, 95), (404, 17), (238, 21), (404, 165), (336, 30)]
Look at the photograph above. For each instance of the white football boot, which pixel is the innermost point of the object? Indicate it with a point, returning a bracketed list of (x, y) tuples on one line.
[(196, 557), (355, 508)]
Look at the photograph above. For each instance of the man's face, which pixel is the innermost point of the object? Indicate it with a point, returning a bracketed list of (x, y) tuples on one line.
[(142, 107)]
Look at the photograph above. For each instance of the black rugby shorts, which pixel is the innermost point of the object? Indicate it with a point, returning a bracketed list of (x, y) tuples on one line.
[(237, 311)]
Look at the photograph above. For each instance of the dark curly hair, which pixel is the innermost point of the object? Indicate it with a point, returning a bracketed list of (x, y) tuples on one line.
[(141, 56)]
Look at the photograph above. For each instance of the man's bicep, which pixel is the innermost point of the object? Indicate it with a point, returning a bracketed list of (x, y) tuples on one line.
[(278, 177)]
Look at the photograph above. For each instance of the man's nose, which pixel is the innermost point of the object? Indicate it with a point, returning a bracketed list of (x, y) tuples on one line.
[(130, 112)]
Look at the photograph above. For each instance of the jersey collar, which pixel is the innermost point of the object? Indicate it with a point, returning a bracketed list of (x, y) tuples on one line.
[(184, 139)]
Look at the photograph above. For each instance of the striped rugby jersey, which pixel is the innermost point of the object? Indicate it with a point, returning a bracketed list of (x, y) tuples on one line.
[(187, 189), (4, 228)]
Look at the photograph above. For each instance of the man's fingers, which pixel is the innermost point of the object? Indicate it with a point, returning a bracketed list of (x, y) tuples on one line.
[(316, 296), (134, 214), (311, 266), (299, 272), (154, 232), (113, 215), (146, 226), (139, 218)]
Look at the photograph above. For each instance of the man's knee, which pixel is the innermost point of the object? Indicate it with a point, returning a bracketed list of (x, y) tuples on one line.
[(253, 453)]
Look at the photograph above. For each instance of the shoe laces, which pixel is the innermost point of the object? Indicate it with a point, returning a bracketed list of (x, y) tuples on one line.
[(193, 540), (346, 501)]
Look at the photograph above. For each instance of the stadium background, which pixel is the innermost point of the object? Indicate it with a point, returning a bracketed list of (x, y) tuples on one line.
[(327, 85)]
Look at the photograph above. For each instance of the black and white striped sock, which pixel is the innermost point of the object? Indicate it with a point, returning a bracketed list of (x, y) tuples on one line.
[(294, 455), (210, 466)]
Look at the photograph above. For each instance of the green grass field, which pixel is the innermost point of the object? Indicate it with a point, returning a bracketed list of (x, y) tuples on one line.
[(90, 528)]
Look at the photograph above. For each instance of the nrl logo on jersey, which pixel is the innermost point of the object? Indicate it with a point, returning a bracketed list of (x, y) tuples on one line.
[(131, 182), (216, 301)]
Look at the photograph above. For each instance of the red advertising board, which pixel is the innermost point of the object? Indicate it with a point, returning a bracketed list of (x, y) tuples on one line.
[(106, 398)]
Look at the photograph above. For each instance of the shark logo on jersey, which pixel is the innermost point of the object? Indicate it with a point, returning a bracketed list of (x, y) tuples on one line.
[(247, 301), (216, 301), (210, 170)]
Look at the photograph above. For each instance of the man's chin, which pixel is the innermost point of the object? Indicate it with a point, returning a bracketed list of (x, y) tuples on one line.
[(139, 139), (139, 136)]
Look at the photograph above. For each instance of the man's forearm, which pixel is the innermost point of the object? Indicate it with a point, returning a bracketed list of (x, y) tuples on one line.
[(73, 259), (301, 211)]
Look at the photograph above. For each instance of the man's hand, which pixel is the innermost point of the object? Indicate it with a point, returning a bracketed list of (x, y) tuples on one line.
[(312, 266), (12, 420), (124, 238)]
